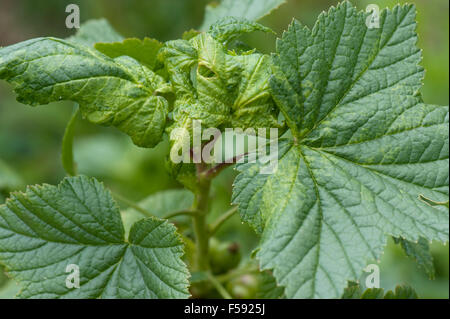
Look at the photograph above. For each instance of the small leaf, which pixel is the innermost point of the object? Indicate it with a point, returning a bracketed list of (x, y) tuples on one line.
[(47, 228), (353, 291), (144, 51), (268, 287), (248, 9), (94, 31), (420, 252), (229, 28), (187, 35), (119, 92)]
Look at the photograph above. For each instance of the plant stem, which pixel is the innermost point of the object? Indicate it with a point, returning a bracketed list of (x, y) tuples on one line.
[(131, 204), (189, 212), (222, 219), (219, 287), (67, 144), (237, 272), (201, 205)]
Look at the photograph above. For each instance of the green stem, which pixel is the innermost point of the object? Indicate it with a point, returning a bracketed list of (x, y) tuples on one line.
[(222, 219), (67, 145), (189, 212), (131, 204), (237, 272), (201, 205), (219, 287)]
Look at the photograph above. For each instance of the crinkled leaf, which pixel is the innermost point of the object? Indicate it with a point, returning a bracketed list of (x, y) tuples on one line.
[(47, 228), (364, 148), (67, 159), (94, 31), (119, 92), (420, 252), (145, 51), (229, 28), (217, 88), (248, 9)]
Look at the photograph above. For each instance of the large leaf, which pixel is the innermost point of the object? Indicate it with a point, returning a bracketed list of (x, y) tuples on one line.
[(47, 228), (94, 31), (249, 9), (364, 148), (119, 92)]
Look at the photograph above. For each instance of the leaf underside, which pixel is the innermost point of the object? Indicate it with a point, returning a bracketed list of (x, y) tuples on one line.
[(364, 147), (47, 228)]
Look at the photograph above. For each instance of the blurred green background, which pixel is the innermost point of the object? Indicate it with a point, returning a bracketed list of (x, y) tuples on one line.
[(30, 138)]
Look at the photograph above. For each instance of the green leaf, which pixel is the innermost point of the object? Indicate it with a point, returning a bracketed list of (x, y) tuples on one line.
[(248, 9), (119, 92), (401, 292), (9, 290), (353, 291), (218, 88), (420, 252), (67, 145), (268, 287), (94, 31), (364, 148), (47, 228), (145, 51), (160, 204), (229, 28), (434, 203)]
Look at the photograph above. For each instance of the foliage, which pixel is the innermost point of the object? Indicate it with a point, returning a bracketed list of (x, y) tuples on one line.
[(363, 158)]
